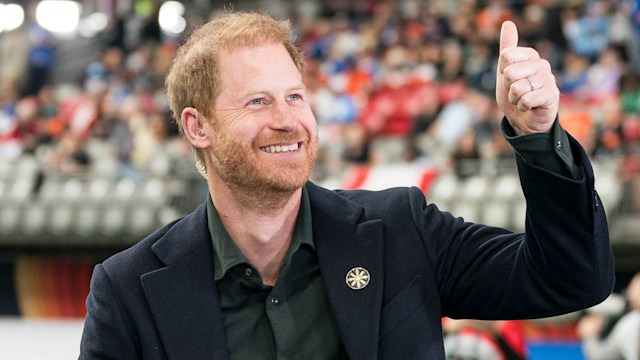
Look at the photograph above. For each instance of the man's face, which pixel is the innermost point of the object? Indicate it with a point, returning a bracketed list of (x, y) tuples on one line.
[(265, 135)]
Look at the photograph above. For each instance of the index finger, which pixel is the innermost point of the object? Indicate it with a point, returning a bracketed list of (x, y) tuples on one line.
[(515, 55)]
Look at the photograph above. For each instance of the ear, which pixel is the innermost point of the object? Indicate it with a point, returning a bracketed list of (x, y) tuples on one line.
[(196, 128)]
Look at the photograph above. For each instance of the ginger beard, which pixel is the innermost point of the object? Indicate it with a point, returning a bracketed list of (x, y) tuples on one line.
[(250, 170)]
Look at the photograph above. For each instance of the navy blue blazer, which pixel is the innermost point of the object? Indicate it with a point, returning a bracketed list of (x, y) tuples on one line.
[(158, 300)]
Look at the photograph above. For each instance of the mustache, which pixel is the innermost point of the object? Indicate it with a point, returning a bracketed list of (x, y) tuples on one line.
[(272, 139)]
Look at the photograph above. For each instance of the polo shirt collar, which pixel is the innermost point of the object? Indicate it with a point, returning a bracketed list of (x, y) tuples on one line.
[(226, 254)]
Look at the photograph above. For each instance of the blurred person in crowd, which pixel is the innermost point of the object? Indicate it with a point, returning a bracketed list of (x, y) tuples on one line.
[(586, 27), (274, 266), (608, 130), (479, 70), (630, 179), (30, 127), (493, 12), (604, 76), (38, 120), (10, 147), (41, 57), (574, 76), (427, 112), (356, 144), (483, 340), (578, 119), (69, 155), (457, 118), (489, 141), (391, 109), (108, 69), (623, 341), (451, 61), (630, 92), (14, 47), (465, 152), (621, 30), (630, 129), (633, 44), (345, 107)]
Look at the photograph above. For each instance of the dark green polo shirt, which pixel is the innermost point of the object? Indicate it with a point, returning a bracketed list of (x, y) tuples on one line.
[(290, 320)]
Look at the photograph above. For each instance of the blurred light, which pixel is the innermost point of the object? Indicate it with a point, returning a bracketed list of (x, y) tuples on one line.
[(170, 17), (11, 16), (61, 16), (93, 24), (143, 8)]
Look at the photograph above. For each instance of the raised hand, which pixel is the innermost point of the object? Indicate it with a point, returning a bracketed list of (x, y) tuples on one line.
[(526, 89)]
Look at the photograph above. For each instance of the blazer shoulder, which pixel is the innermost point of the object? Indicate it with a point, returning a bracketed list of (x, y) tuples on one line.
[(157, 249), (391, 197), (394, 204), (137, 259)]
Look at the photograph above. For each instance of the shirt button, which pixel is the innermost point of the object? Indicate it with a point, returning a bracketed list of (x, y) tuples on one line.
[(559, 145), (274, 300), (248, 272)]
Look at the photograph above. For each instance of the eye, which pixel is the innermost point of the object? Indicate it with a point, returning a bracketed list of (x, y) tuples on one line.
[(258, 101), (294, 97)]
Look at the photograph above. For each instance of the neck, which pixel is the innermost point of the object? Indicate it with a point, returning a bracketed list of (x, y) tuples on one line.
[(261, 226)]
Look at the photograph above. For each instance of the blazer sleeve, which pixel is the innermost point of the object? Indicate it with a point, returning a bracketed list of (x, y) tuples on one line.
[(562, 263), (105, 334)]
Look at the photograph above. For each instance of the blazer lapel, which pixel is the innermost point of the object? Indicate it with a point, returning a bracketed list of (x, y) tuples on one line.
[(183, 296), (344, 244)]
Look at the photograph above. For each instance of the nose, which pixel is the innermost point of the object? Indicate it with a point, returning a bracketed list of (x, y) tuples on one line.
[(282, 117)]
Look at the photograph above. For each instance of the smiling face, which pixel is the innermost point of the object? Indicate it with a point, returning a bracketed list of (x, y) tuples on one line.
[(264, 135)]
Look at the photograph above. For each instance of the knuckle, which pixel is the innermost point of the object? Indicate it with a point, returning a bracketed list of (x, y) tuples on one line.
[(506, 57), (521, 106), (545, 65), (513, 98), (534, 53), (508, 74), (526, 102)]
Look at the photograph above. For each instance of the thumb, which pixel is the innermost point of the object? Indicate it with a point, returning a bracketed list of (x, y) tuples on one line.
[(508, 35)]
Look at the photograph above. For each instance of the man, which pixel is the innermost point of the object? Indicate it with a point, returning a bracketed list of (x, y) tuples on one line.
[(273, 266)]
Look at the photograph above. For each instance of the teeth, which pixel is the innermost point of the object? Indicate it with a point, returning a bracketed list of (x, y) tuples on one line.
[(279, 148)]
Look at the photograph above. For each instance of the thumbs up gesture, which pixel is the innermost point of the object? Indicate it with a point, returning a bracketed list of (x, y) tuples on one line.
[(526, 89)]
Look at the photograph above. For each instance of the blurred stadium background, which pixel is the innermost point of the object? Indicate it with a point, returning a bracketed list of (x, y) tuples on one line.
[(91, 162)]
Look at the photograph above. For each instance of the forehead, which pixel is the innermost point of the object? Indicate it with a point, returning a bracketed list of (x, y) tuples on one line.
[(263, 65)]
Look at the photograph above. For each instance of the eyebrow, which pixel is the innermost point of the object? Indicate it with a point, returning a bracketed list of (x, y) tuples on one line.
[(250, 92)]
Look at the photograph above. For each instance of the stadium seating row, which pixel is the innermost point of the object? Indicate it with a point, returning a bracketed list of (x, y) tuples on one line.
[(51, 208)]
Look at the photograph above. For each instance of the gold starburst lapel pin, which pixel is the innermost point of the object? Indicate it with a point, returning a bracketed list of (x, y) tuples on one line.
[(358, 278)]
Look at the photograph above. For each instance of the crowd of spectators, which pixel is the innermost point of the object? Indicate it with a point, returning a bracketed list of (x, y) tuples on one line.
[(389, 81)]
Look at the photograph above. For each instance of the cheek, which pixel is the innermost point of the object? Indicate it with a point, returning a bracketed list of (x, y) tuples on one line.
[(308, 120), (231, 139)]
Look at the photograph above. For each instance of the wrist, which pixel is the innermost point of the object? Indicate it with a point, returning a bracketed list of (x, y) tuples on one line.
[(518, 131)]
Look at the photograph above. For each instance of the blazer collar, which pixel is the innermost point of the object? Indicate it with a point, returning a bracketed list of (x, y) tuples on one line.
[(345, 240), (183, 237)]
